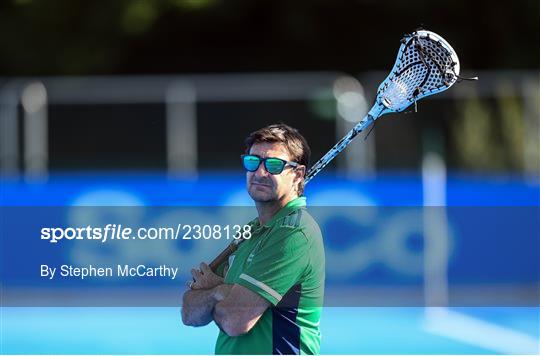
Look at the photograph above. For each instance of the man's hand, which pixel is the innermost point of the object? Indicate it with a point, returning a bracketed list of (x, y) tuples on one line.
[(204, 278)]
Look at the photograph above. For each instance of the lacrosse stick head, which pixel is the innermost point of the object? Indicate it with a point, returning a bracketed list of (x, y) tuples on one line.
[(425, 65)]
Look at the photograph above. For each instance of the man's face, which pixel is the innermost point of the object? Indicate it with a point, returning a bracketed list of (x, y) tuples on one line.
[(265, 187)]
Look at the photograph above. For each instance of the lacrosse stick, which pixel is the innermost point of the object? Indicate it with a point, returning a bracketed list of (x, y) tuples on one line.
[(425, 65)]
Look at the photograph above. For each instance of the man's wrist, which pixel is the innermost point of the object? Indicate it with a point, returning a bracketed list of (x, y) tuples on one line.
[(220, 292)]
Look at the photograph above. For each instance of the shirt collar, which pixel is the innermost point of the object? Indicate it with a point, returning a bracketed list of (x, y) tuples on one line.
[(288, 208)]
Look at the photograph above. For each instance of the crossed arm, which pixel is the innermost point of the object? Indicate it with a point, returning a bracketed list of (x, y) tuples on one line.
[(234, 308)]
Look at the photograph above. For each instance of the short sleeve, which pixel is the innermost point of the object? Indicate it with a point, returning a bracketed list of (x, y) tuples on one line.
[(277, 266)]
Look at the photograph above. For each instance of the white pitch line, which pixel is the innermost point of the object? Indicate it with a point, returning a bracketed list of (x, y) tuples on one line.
[(480, 333)]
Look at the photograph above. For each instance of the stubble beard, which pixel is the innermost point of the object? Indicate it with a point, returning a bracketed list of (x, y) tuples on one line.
[(262, 197)]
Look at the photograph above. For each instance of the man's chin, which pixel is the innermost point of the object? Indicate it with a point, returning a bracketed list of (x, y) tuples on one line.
[(261, 197)]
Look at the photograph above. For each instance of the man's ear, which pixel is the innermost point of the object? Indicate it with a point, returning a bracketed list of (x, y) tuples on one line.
[(300, 171)]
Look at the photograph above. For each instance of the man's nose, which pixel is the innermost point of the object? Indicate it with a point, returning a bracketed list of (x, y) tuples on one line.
[(261, 171)]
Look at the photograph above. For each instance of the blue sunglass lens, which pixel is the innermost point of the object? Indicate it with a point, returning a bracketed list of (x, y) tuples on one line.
[(274, 165), (251, 163)]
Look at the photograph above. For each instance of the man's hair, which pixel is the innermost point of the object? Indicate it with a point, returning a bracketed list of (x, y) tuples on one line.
[(293, 141)]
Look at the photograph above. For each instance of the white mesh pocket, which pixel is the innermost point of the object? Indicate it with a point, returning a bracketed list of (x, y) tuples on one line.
[(426, 64)]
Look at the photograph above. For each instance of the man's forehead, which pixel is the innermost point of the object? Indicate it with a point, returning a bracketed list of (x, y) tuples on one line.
[(267, 149)]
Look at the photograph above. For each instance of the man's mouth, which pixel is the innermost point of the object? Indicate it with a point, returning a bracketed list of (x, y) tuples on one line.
[(261, 184)]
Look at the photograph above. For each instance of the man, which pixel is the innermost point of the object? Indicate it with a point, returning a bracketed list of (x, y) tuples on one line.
[(268, 300)]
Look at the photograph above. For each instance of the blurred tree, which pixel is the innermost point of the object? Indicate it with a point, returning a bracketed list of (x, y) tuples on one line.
[(488, 134), (511, 111), (179, 36), (474, 136)]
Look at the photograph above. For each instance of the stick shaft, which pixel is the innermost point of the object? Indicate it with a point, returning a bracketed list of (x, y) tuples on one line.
[(338, 147), (224, 255)]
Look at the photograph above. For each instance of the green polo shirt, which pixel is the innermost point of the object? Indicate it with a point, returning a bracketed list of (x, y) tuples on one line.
[(283, 262)]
